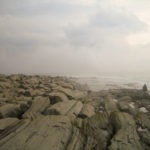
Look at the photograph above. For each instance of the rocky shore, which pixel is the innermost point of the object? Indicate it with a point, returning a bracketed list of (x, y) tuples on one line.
[(56, 113)]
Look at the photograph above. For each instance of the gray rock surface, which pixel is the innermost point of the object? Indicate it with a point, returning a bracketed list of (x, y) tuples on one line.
[(50, 132), (56, 113)]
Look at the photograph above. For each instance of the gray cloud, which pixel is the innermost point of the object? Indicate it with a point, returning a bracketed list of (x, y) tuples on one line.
[(117, 20), (103, 27), (64, 36), (37, 7)]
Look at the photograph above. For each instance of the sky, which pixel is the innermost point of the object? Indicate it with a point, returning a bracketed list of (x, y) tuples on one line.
[(74, 37)]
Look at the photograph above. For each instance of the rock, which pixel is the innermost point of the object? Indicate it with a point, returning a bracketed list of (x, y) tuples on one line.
[(123, 106), (76, 141), (35, 92), (110, 105), (4, 123), (70, 108), (56, 97), (97, 138), (56, 113), (38, 106), (143, 109), (143, 122), (127, 106), (47, 132), (24, 106), (90, 133), (125, 136), (87, 111), (75, 110), (60, 108), (9, 110), (66, 85), (23, 92), (131, 105), (125, 98), (71, 94), (22, 99)]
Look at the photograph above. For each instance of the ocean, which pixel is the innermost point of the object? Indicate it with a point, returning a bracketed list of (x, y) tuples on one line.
[(105, 81)]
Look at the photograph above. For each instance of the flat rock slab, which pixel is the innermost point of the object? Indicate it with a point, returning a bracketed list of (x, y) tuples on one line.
[(4, 123), (44, 133)]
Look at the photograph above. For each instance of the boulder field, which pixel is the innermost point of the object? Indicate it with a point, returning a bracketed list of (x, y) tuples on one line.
[(56, 113)]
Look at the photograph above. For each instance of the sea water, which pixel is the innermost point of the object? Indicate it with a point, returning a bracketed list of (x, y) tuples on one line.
[(106, 81)]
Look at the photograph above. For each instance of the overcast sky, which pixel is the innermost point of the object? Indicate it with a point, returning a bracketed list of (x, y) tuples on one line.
[(74, 36)]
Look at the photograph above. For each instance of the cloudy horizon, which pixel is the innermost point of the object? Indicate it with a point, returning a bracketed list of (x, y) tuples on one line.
[(74, 37)]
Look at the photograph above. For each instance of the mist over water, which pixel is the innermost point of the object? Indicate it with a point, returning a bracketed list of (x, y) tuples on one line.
[(105, 81)]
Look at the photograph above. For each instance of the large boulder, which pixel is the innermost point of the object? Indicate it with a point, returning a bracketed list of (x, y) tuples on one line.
[(44, 133), (38, 106), (75, 110)]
